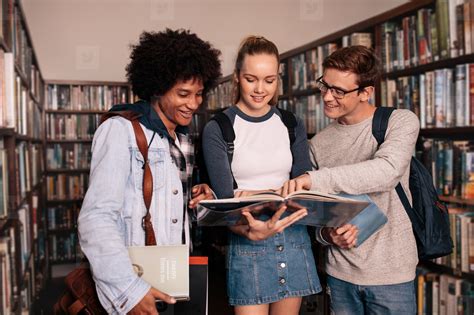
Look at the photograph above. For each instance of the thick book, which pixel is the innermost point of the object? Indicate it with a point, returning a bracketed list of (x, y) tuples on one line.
[(166, 268), (323, 209), (198, 291), (369, 220)]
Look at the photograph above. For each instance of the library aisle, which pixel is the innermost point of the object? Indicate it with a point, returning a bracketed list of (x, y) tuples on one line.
[(46, 130)]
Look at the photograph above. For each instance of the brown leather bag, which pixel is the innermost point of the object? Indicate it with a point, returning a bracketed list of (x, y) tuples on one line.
[(81, 295)]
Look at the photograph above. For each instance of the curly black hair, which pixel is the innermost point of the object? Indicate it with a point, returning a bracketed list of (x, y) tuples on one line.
[(162, 59)]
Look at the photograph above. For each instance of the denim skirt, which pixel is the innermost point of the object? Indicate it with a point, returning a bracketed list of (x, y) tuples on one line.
[(262, 272)]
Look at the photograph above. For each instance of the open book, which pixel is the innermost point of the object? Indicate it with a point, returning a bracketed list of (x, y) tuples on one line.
[(323, 209)]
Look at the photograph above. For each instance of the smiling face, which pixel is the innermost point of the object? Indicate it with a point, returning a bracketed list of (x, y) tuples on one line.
[(178, 104), (258, 83), (354, 107)]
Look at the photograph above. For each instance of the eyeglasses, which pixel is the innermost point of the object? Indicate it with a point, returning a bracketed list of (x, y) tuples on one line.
[(335, 91)]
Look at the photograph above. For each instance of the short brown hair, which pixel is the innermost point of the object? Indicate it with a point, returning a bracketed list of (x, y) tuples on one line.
[(253, 45), (356, 59)]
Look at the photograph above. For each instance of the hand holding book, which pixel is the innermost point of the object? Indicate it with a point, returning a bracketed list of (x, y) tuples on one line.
[(200, 192), (323, 210), (257, 230), (302, 182), (147, 303), (344, 237)]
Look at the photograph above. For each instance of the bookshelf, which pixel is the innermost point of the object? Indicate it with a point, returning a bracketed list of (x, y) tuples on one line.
[(427, 52), (71, 115), (23, 262)]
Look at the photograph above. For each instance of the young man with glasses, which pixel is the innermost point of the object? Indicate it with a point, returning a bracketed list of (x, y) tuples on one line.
[(378, 276)]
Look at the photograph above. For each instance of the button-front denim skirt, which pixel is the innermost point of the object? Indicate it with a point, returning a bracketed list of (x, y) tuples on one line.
[(262, 272)]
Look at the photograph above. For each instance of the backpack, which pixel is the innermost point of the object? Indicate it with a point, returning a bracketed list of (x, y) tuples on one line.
[(429, 216), (227, 129)]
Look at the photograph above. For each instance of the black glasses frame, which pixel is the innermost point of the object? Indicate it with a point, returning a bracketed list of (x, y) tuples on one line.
[(333, 88)]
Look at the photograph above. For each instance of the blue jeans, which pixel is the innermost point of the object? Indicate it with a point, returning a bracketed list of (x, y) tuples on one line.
[(351, 299)]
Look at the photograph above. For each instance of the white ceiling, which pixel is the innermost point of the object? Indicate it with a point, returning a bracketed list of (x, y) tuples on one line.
[(89, 39)]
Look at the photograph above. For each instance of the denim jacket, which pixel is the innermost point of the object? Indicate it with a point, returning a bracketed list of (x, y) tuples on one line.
[(113, 207)]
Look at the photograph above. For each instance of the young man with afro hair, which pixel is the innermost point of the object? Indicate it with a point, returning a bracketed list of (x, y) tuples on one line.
[(170, 72)]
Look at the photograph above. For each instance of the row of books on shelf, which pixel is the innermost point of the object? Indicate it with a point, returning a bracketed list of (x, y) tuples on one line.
[(310, 109), (429, 35), (29, 166), (28, 227), (62, 186), (28, 173), (307, 67), (440, 98), (12, 302), (13, 31), (197, 125), (72, 127), (452, 166), (21, 48), (4, 190), (9, 285), (443, 294), (17, 109), (85, 97), (29, 289), (64, 248), (70, 155), (462, 234), (14, 294), (220, 96), (62, 217)]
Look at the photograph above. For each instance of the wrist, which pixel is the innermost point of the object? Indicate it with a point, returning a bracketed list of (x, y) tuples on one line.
[(324, 237)]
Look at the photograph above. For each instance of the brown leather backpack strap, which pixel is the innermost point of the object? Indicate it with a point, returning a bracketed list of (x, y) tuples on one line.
[(76, 307), (147, 183), (127, 114), (147, 176)]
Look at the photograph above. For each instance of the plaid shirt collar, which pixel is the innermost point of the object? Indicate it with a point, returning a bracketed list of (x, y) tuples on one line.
[(183, 158)]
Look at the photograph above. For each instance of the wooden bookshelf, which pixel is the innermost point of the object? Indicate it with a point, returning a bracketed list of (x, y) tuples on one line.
[(448, 270), (72, 100), (458, 133), (22, 141), (69, 140), (444, 63), (457, 200)]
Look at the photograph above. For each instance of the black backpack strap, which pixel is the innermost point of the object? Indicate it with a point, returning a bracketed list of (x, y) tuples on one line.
[(380, 123), (379, 128), (227, 129), (289, 120)]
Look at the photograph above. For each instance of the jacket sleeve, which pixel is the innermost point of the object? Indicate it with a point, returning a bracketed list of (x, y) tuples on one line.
[(101, 231), (383, 171)]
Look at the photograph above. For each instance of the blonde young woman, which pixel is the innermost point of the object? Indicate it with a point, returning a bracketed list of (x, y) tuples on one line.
[(270, 266)]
